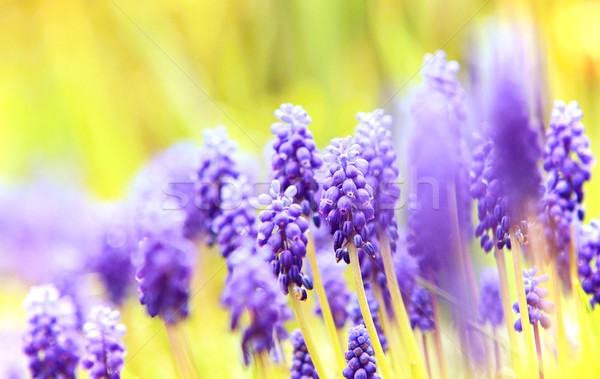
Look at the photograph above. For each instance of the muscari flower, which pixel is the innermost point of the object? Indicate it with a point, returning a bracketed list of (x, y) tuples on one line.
[(49, 343), (437, 153), (164, 277), (420, 311), (336, 290), (490, 303), (360, 355), (588, 260), (537, 305), (235, 228), (217, 169), (346, 200), (296, 159), (568, 160), (357, 317), (251, 288), (283, 230), (302, 366), (105, 351)]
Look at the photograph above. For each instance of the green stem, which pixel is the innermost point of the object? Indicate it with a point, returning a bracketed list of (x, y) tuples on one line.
[(562, 346), (505, 297), (310, 342), (437, 335), (538, 349), (325, 308), (524, 310), (183, 364), (426, 354), (366, 313), (393, 341), (407, 336)]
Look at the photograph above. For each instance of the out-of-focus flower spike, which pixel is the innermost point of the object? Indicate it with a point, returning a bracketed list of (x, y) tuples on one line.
[(357, 318), (105, 351), (490, 302), (49, 341), (588, 259), (538, 306), (302, 366), (421, 310), (336, 290)]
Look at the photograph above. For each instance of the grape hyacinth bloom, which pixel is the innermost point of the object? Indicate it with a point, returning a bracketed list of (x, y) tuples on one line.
[(105, 351), (420, 311), (357, 318), (302, 366), (217, 169), (568, 160), (296, 158), (537, 305), (235, 227), (406, 268), (346, 200), (283, 230), (490, 302), (336, 290), (588, 260), (48, 342), (251, 288), (437, 153), (360, 355), (164, 277)]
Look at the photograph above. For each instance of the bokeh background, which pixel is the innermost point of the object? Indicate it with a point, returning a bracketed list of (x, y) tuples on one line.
[(90, 89)]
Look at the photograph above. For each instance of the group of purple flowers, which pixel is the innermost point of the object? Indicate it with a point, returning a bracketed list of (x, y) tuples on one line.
[(343, 205)]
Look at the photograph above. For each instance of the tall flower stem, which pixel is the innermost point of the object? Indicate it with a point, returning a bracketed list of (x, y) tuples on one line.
[(437, 335), (562, 346), (401, 316), (524, 310), (183, 361), (395, 346), (308, 338), (325, 308), (538, 349), (426, 354), (497, 360), (366, 313), (505, 296)]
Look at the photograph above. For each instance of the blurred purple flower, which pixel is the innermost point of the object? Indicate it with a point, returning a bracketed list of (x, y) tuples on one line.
[(302, 366), (420, 311), (105, 352), (588, 261), (336, 290), (357, 318), (490, 302), (537, 305)]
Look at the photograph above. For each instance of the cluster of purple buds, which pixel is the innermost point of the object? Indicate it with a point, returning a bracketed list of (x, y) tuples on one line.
[(105, 351), (568, 161), (537, 305), (374, 307), (49, 342), (346, 200), (494, 222), (302, 365), (217, 169), (490, 302), (360, 356), (235, 227), (588, 262), (283, 230), (251, 289), (296, 158), (164, 277), (420, 311)]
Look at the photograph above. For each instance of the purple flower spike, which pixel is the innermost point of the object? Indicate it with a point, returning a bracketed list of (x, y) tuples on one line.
[(360, 355), (283, 230), (302, 366), (490, 303), (357, 318), (251, 288), (105, 352), (217, 169), (568, 160), (49, 342), (537, 305), (164, 278), (421, 310), (346, 200), (588, 260), (296, 159), (235, 227)]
